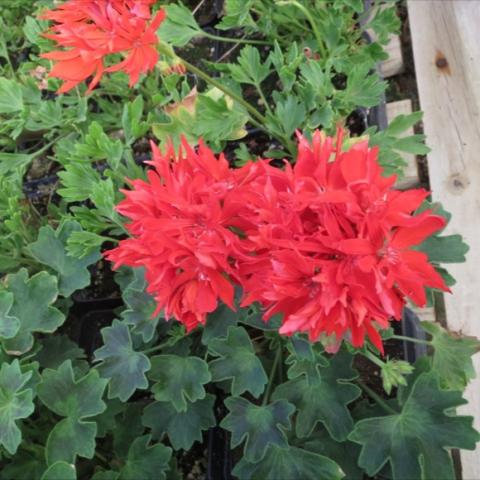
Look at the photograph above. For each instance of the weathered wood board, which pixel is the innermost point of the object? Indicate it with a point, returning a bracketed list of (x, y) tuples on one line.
[(446, 45)]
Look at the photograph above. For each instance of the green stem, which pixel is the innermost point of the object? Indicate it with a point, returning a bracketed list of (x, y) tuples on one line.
[(373, 358), (235, 40), (377, 398), (278, 356), (156, 348), (101, 458), (410, 339), (252, 110), (48, 146), (264, 99), (321, 48)]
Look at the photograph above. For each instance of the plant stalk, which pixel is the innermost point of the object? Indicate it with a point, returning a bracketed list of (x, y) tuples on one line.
[(374, 396), (410, 339), (278, 356)]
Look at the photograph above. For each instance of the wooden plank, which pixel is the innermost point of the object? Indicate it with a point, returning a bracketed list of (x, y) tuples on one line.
[(394, 63), (411, 178), (446, 46)]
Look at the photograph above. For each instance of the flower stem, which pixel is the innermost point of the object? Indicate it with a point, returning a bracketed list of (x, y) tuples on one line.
[(157, 347), (235, 40), (373, 358), (278, 356), (252, 110), (410, 339), (377, 398), (321, 47)]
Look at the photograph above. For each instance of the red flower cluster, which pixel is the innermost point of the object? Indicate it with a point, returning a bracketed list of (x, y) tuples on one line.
[(91, 30), (182, 222), (327, 243)]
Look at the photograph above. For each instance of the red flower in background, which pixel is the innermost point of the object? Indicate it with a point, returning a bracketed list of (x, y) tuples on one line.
[(180, 225), (91, 30), (332, 243)]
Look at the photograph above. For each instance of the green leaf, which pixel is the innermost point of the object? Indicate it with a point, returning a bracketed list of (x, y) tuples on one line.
[(140, 308), (393, 373), (445, 249), (250, 69), (364, 89), (236, 14), (50, 249), (452, 358), (121, 364), (145, 461), (237, 362), (76, 400), (11, 162), (98, 146), (179, 379), (182, 428), (258, 425), (56, 349), (291, 114), (219, 119), (11, 100), (345, 454), (9, 325), (179, 26), (78, 181), (16, 402), (60, 471), (128, 427), (321, 393), (82, 244), (32, 308), (401, 123), (132, 124), (289, 463), (415, 441), (218, 323), (106, 475)]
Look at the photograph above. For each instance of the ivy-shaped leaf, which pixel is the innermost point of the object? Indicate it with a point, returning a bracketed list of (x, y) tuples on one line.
[(218, 323), (290, 462), (415, 441), (145, 461), (259, 425), (452, 359), (60, 471), (120, 363), (345, 454), (237, 362), (76, 400), (322, 396), (16, 402), (140, 307), (9, 325), (179, 379), (32, 300), (182, 428), (56, 349), (50, 249), (445, 248)]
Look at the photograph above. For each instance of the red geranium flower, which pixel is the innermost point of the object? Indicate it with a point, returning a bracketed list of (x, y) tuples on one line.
[(181, 220), (332, 243), (91, 30)]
